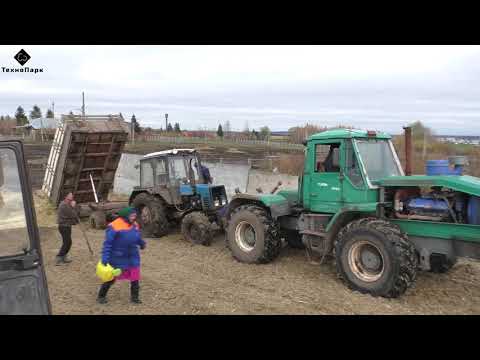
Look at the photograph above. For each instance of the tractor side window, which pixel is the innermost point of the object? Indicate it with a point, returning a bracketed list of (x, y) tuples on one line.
[(352, 166), (161, 171), (146, 178), (327, 158), (178, 173), (13, 225)]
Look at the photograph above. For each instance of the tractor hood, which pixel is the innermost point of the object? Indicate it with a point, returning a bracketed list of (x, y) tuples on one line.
[(466, 184)]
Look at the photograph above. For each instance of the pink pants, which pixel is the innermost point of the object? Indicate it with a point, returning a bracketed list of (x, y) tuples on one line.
[(131, 274)]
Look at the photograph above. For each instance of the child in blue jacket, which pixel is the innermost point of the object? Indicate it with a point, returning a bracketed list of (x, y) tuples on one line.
[(120, 250)]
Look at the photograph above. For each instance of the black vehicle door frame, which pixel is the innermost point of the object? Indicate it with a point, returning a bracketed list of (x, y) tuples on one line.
[(23, 283)]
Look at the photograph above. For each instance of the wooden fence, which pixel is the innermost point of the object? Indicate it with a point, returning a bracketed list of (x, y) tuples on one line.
[(217, 141)]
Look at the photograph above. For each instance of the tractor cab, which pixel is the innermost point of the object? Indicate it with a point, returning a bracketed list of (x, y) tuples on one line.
[(175, 167), (346, 162)]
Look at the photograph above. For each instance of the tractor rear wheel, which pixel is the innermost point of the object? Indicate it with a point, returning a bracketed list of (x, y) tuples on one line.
[(373, 256), (252, 235), (151, 215), (196, 228)]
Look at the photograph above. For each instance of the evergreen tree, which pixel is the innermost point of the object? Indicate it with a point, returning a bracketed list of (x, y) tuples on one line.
[(220, 131), (50, 114), (35, 113), (177, 127), (169, 128), (21, 117), (265, 133), (2, 118), (136, 125)]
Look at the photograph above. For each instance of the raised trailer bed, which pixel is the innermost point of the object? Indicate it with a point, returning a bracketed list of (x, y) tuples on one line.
[(83, 160)]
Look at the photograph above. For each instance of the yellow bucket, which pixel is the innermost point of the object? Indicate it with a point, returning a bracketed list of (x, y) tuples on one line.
[(107, 273)]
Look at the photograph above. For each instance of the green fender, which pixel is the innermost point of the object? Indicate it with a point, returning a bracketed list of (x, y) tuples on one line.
[(277, 204)]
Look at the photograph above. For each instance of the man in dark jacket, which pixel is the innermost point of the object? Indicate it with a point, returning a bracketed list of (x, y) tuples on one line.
[(67, 216), (205, 173)]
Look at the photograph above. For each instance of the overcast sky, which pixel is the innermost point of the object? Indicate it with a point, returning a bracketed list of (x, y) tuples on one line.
[(374, 87)]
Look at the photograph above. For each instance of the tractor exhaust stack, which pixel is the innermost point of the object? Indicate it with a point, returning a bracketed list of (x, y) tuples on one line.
[(408, 150)]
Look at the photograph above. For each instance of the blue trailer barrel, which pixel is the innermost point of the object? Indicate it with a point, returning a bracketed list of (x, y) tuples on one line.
[(437, 167), (473, 211)]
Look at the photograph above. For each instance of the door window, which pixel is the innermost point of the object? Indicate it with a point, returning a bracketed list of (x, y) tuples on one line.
[(327, 157), (13, 226), (178, 173), (352, 166)]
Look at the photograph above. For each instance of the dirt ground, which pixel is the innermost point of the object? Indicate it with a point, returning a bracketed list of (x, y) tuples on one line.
[(181, 278)]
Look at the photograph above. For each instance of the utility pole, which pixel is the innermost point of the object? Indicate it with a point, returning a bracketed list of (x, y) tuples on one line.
[(83, 105), (132, 126), (166, 122)]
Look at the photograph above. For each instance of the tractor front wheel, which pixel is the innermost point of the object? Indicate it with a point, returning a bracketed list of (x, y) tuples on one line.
[(196, 228), (151, 215), (373, 256), (252, 235)]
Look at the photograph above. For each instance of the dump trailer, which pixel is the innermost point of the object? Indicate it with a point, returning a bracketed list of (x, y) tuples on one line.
[(83, 160), (354, 202)]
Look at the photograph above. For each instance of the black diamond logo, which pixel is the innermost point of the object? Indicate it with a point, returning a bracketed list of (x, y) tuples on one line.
[(22, 57)]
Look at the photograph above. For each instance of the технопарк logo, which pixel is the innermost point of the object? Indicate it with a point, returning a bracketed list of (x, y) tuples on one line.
[(22, 58)]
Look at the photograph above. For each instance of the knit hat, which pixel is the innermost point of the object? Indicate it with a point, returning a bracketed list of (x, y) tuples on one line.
[(125, 212)]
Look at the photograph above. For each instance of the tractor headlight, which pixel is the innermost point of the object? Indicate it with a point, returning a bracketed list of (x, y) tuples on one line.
[(224, 201), (217, 203)]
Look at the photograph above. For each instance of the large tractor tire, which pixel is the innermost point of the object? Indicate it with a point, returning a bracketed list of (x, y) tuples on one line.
[(252, 235), (98, 220), (151, 215), (196, 228), (293, 238), (374, 256)]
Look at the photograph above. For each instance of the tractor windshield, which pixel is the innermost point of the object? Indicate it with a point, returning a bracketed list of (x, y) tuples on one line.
[(378, 158)]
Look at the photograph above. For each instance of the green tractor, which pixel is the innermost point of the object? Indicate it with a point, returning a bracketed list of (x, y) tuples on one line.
[(355, 203)]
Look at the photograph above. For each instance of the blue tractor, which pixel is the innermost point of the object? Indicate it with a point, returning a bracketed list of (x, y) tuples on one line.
[(173, 190)]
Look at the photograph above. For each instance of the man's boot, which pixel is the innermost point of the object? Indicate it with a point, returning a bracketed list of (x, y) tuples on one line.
[(66, 260), (134, 291), (59, 260)]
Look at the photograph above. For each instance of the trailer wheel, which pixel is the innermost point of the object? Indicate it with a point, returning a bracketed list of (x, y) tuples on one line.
[(151, 215), (373, 256), (196, 228), (293, 238), (98, 220), (252, 235)]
